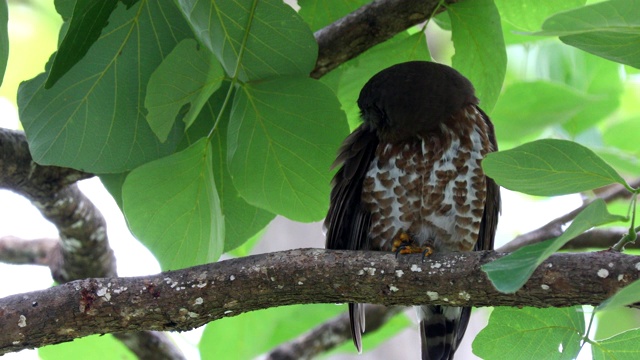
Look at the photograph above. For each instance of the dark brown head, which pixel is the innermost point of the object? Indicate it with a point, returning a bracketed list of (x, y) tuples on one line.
[(413, 98)]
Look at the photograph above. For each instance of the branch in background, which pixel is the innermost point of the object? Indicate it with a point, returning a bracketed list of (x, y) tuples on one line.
[(554, 228), (331, 334), (185, 299), (27, 252), (366, 27), (83, 248)]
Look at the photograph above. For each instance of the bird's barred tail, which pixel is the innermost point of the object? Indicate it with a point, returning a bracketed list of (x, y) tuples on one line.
[(441, 330)]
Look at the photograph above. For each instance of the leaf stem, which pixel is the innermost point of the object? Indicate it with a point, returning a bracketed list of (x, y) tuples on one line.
[(632, 235)]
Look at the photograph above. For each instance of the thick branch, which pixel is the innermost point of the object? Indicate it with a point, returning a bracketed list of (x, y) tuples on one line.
[(185, 299), (83, 249), (366, 27)]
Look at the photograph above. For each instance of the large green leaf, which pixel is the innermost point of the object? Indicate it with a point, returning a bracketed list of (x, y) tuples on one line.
[(89, 17), (282, 138), (550, 167), (480, 51), (624, 346), (530, 333), (529, 15), (241, 220), (236, 337), (529, 107), (106, 345), (172, 207), (610, 29), (92, 118), (510, 272), (267, 37), (180, 86)]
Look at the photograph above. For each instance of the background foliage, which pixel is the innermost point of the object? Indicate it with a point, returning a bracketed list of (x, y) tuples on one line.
[(202, 122)]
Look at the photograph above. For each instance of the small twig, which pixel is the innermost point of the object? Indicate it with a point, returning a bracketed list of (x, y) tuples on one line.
[(554, 228)]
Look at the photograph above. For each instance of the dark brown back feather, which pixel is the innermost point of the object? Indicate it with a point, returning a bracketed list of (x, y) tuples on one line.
[(347, 221)]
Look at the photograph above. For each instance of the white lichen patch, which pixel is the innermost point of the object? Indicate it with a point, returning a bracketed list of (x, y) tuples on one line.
[(232, 277), (170, 282), (399, 273), (22, 321), (638, 266), (620, 277), (370, 271), (228, 312), (416, 268), (71, 244), (192, 314), (198, 301), (16, 342), (300, 283), (549, 265), (393, 288), (119, 290), (272, 278), (603, 273), (433, 295), (436, 265), (464, 295), (104, 292), (202, 284), (610, 264), (544, 287)]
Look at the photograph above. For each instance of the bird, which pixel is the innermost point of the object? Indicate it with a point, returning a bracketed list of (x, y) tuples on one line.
[(410, 180)]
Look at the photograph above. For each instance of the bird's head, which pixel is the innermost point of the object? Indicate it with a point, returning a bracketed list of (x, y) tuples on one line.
[(413, 98)]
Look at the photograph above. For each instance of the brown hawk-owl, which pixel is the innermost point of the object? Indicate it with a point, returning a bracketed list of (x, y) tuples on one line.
[(410, 181)]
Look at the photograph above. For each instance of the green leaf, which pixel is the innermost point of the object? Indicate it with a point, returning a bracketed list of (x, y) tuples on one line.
[(4, 38), (529, 107), (89, 17), (106, 345), (241, 220), (180, 86), (529, 15), (480, 51), (268, 36), (550, 167), (624, 346), (628, 295), (113, 184), (91, 119), (172, 207), (510, 272), (235, 337), (531, 333), (282, 138), (610, 29), (320, 13)]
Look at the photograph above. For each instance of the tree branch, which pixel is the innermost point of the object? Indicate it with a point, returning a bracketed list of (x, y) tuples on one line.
[(26, 252), (83, 248), (366, 27), (185, 299)]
